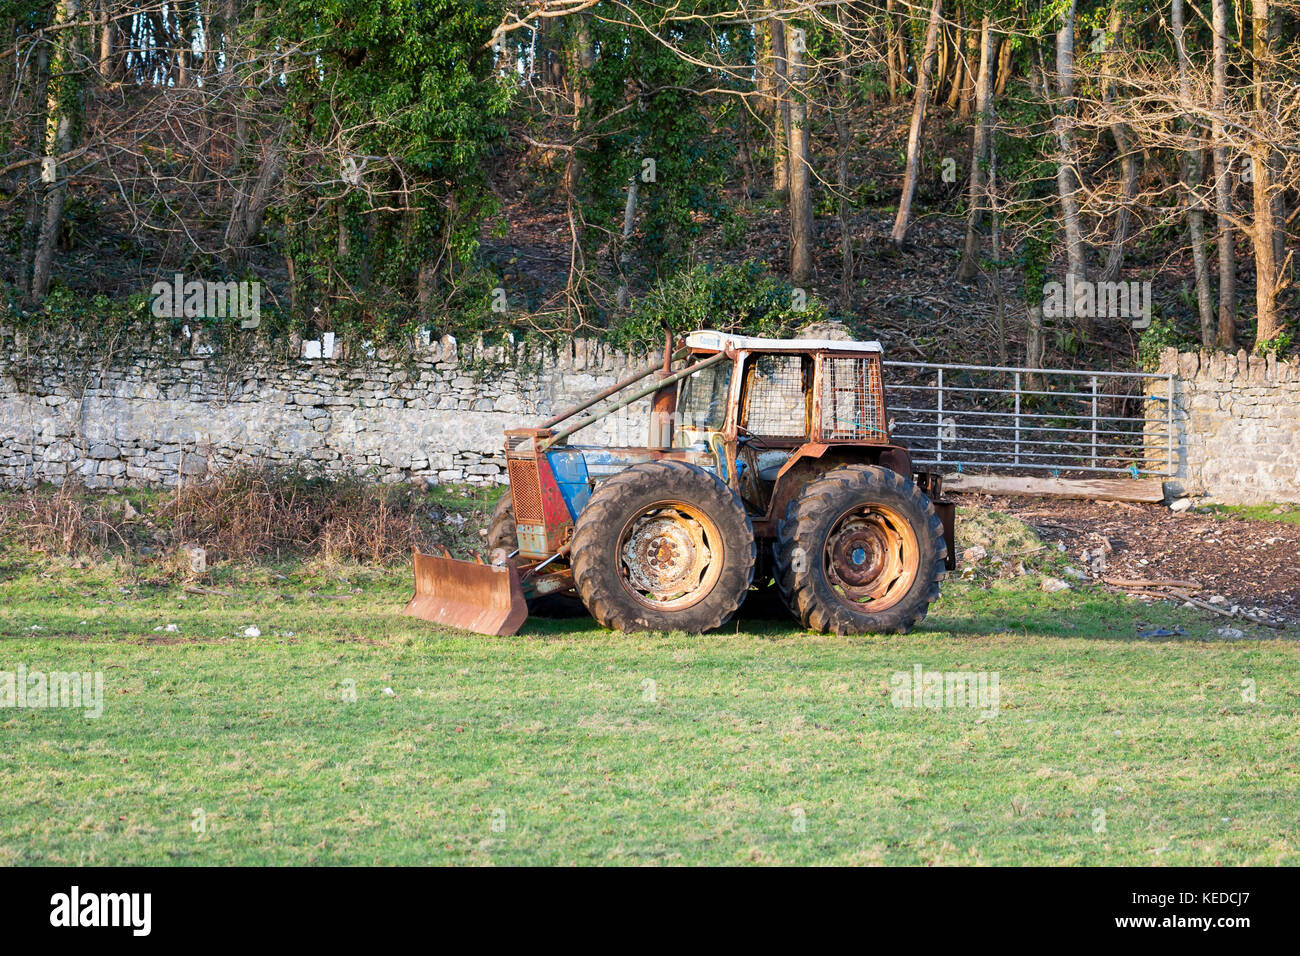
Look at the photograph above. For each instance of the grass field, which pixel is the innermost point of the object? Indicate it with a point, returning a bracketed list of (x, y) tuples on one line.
[(1289, 514), (569, 744)]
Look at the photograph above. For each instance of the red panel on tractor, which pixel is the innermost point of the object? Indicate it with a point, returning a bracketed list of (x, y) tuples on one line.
[(542, 519)]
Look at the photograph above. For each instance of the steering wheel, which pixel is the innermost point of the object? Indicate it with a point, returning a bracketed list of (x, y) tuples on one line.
[(750, 438)]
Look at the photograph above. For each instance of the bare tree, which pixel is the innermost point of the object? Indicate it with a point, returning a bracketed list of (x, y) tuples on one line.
[(1067, 169), (844, 139), (63, 121), (801, 211), (895, 51), (1129, 153), (37, 102), (1193, 166), (781, 121), (919, 98), (979, 151), (1264, 231), (1223, 182)]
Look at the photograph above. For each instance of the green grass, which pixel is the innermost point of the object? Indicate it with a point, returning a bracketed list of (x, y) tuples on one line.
[(1289, 514), (551, 734)]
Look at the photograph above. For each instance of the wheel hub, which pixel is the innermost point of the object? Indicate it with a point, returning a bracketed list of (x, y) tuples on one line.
[(859, 554), (866, 560), (666, 554)]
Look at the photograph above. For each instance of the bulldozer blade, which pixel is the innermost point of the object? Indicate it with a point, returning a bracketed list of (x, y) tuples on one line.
[(473, 596)]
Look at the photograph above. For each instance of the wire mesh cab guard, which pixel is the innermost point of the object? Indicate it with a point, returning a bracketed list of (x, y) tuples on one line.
[(851, 399), (777, 396)]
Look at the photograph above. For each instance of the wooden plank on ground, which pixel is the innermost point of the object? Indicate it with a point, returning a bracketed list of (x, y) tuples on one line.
[(1101, 489)]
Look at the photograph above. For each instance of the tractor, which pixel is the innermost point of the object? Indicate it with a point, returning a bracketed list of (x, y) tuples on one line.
[(768, 465)]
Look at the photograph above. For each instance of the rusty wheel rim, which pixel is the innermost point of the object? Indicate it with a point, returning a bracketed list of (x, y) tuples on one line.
[(669, 556), (871, 557)]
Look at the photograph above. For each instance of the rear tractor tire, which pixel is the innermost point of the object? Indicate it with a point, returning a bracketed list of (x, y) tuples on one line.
[(860, 551), (663, 546)]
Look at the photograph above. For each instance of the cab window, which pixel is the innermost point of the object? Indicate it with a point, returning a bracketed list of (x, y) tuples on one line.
[(704, 396), (777, 396)]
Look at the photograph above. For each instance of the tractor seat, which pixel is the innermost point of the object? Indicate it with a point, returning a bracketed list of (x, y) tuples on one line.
[(770, 463)]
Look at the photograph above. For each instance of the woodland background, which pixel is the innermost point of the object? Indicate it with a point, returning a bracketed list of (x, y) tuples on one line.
[(388, 168)]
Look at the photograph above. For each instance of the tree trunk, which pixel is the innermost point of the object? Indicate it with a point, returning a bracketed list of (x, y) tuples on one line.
[(1278, 163), (781, 121), (581, 59), (1193, 174), (1268, 286), (966, 108), (256, 164), (624, 297), (1067, 178), (893, 61), (801, 211), (63, 123), (979, 152), (764, 81), (844, 142), (1006, 66), (186, 26), (36, 128), (963, 83), (1035, 343), (1223, 183), (1129, 171), (922, 93), (995, 237), (900, 49), (552, 61), (105, 40), (939, 82), (960, 66), (1127, 146)]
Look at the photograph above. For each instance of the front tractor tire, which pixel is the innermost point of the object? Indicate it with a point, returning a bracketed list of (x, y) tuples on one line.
[(860, 551), (663, 546)]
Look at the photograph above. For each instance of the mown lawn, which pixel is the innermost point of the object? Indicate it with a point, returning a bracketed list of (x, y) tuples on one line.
[(763, 744)]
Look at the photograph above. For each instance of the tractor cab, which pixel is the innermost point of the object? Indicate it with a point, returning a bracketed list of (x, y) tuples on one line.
[(753, 413)]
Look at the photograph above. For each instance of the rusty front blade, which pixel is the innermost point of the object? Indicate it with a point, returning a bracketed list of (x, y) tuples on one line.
[(473, 596)]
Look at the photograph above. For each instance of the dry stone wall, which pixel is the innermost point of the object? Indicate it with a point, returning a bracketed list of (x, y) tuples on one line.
[(166, 408), (177, 410), (1237, 426)]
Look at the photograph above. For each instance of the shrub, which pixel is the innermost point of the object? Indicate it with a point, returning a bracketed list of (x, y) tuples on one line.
[(251, 513), (743, 298), (1162, 333)]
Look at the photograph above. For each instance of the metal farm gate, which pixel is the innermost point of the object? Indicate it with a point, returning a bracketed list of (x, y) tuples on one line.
[(1068, 422)]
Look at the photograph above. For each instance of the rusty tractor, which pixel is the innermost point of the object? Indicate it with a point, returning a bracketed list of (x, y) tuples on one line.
[(768, 465)]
